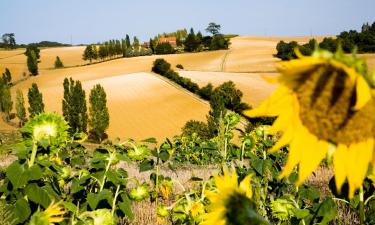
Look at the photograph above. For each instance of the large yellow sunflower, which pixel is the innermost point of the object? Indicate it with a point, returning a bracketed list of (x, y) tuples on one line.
[(323, 102), (52, 215), (231, 202)]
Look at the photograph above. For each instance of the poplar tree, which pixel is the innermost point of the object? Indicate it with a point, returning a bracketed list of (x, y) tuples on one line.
[(99, 116), (32, 63), (20, 108), (35, 97), (6, 101), (58, 63), (74, 106), (128, 44)]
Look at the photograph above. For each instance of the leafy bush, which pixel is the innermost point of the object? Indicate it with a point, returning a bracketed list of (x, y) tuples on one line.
[(285, 51), (161, 66), (58, 63), (206, 91), (198, 128), (219, 42), (164, 48), (179, 66)]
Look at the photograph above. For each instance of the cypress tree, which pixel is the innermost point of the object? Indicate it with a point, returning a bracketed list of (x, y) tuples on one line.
[(99, 116), (136, 43), (32, 62), (128, 44), (6, 101), (58, 63), (7, 76), (123, 47), (20, 108), (152, 45), (74, 106), (217, 104), (36, 105), (88, 54)]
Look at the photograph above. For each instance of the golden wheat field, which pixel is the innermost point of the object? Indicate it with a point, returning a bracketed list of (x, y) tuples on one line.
[(142, 104)]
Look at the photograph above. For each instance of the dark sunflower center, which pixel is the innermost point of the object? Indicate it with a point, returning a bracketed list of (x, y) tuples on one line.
[(327, 97), (241, 210)]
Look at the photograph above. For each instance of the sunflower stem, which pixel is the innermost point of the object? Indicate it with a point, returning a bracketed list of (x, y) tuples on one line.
[(362, 218), (33, 154), (115, 199)]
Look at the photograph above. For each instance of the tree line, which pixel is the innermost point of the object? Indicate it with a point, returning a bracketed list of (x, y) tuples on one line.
[(9, 42), (222, 98), (73, 106), (185, 42), (114, 49), (362, 42)]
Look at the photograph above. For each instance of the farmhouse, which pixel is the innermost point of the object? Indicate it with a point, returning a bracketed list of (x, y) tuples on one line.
[(171, 40)]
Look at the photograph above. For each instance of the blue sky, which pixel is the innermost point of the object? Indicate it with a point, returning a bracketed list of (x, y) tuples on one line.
[(88, 21)]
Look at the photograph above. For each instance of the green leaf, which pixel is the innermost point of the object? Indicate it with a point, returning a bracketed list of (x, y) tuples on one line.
[(258, 165), (150, 140), (16, 174), (94, 199), (21, 210), (146, 165), (125, 206), (34, 173), (70, 206), (301, 213), (37, 195), (164, 156), (327, 211), (310, 193)]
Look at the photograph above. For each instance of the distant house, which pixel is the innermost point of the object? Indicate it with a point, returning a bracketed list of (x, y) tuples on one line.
[(171, 40), (146, 45)]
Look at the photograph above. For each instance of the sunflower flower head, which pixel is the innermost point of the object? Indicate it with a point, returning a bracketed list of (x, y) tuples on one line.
[(324, 100), (231, 202), (98, 217), (52, 215), (196, 208), (166, 186), (138, 153), (46, 129), (139, 193), (162, 214)]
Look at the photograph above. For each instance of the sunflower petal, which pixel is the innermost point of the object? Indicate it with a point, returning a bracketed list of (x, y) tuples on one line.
[(363, 93), (340, 165), (245, 186)]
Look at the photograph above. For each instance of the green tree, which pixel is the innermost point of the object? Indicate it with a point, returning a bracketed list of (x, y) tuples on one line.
[(32, 63), (88, 54), (74, 106), (58, 63), (213, 28), (123, 47), (20, 108), (7, 76), (99, 116), (231, 96), (95, 53), (164, 48), (152, 45), (135, 42), (216, 112), (6, 103), (36, 105), (9, 40), (33, 48), (219, 42), (197, 127), (128, 44), (102, 52), (191, 43)]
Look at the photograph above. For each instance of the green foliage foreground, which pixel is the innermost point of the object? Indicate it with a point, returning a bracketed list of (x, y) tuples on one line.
[(55, 179)]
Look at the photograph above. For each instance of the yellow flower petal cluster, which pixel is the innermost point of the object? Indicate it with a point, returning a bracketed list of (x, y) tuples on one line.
[(322, 103)]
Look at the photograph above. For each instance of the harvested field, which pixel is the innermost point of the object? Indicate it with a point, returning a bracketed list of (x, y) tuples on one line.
[(253, 86), (140, 105)]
